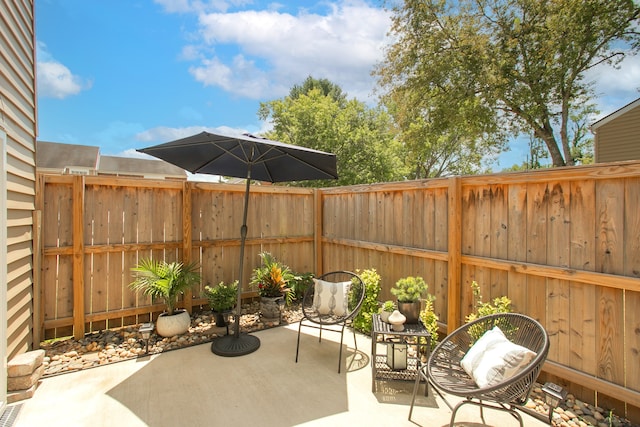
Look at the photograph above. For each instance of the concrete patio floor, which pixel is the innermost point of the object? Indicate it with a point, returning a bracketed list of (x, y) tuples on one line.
[(194, 387)]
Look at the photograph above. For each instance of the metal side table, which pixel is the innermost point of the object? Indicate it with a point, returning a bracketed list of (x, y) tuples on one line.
[(417, 352)]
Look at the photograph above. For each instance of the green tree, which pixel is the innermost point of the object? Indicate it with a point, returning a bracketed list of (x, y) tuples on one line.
[(326, 87), (487, 69), (322, 119)]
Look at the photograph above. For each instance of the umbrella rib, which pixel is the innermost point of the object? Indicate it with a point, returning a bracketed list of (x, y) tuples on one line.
[(225, 151)]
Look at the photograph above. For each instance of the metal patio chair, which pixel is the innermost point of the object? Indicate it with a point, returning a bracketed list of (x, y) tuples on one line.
[(331, 303), (444, 371)]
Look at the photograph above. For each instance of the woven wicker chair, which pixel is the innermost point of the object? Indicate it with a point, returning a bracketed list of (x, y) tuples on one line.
[(322, 312), (444, 372)]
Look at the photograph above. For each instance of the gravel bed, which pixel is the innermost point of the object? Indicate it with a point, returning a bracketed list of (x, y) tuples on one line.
[(115, 345)]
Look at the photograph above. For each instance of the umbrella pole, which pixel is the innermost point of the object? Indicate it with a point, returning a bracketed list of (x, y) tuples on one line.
[(236, 344)]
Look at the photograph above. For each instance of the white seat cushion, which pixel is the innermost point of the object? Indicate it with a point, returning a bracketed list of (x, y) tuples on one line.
[(331, 298), (493, 359)]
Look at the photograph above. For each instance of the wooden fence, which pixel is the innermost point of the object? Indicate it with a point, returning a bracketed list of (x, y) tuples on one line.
[(562, 244)]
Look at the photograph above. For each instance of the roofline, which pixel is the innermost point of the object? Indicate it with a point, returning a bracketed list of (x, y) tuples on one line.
[(615, 114)]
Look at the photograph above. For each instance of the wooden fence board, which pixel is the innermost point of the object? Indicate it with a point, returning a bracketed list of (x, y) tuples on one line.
[(440, 219), (632, 227), (610, 227)]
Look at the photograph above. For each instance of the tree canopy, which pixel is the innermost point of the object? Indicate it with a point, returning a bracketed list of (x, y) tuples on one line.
[(474, 72), (317, 115)]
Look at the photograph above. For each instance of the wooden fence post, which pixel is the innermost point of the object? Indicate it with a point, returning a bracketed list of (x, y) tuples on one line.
[(186, 238), (78, 257), (38, 291), (454, 257), (317, 232)]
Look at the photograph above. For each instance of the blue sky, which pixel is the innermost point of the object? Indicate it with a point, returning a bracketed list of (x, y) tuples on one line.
[(126, 74)]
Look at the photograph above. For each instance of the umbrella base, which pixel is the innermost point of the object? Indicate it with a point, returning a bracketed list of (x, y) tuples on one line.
[(232, 345)]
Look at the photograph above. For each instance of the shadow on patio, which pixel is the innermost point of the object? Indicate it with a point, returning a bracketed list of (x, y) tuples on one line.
[(194, 387)]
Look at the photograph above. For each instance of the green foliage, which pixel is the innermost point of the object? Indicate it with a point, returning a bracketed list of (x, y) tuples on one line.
[(363, 320), (409, 289), (429, 319), (500, 305), (222, 297), (318, 116), (163, 280), (272, 278), (462, 76), (299, 284), (388, 306)]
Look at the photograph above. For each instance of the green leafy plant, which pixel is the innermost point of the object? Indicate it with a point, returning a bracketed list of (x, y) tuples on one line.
[(388, 306), (222, 297), (163, 280), (299, 284), (429, 319), (409, 289), (498, 305), (363, 320), (272, 278)]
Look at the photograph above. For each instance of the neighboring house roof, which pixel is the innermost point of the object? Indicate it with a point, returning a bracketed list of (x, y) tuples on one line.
[(59, 157), (139, 167), (615, 114)]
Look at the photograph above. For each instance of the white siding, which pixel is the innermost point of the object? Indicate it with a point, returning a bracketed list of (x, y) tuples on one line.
[(18, 120)]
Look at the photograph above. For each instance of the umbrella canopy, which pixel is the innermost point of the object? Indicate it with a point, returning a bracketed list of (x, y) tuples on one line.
[(273, 161), (249, 157)]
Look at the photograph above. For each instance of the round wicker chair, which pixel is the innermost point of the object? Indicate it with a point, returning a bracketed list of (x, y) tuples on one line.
[(444, 372), (320, 310)]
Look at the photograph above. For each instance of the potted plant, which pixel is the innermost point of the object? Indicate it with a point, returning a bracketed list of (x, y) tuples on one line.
[(386, 309), (222, 299), (409, 291), (166, 281), (271, 279)]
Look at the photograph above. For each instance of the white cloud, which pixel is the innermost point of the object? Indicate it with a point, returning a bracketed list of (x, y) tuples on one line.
[(186, 6), (166, 134), (55, 80), (615, 87), (277, 50)]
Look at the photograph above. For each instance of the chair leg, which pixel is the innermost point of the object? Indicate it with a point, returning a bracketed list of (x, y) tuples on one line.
[(355, 340), (340, 354), (498, 407), (416, 385), (298, 344)]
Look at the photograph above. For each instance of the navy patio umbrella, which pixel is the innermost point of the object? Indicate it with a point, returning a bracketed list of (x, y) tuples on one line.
[(250, 157)]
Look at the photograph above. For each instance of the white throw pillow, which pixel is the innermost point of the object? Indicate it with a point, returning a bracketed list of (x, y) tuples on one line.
[(493, 358), (331, 298)]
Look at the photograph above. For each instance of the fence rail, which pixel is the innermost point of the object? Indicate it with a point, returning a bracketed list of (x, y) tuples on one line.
[(562, 244)]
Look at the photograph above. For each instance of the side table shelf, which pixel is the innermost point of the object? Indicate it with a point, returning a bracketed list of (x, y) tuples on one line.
[(410, 336)]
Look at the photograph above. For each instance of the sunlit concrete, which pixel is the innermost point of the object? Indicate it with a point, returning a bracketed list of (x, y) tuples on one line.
[(194, 387)]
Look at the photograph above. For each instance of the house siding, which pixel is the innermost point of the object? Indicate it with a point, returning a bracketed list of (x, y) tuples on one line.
[(18, 120), (619, 139)]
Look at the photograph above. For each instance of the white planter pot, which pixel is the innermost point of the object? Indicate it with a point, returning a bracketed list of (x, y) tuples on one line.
[(176, 324)]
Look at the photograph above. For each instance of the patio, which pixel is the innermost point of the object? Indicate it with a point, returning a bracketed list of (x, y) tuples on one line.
[(192, 386)]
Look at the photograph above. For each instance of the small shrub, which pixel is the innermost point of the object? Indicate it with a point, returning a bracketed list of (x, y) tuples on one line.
[(499, 305), (429, 319), (409, 289), (388, 306), (363, 320), (299, 284)]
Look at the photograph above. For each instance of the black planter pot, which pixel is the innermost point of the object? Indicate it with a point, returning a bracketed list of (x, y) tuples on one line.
[(410, 310), (221, 318)]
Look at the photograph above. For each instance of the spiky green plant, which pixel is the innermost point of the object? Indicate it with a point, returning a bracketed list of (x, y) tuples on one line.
[(164, 280)]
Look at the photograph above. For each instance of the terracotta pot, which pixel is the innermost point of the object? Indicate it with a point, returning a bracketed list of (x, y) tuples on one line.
[(175, 324)]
